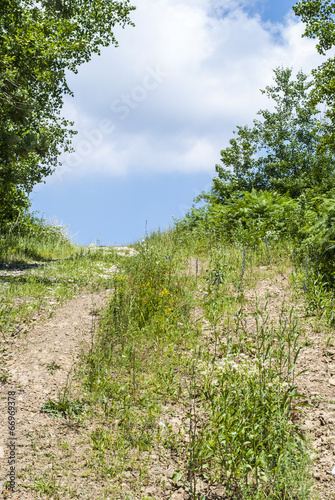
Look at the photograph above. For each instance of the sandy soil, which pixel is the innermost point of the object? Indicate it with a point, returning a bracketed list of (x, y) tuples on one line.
[(60, 340)]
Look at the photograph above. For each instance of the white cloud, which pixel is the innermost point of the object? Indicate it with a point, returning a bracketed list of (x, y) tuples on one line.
[(177, 86)]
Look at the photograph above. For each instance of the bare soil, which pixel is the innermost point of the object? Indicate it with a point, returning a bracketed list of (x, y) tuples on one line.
[(54, 342), (54, 452)]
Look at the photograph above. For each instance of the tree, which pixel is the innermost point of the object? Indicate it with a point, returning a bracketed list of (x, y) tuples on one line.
[(40, 41), (319, 17), (283, 151)]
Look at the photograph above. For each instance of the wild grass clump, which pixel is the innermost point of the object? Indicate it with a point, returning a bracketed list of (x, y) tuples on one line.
[(64, 407), (318, 295), (34, 239)]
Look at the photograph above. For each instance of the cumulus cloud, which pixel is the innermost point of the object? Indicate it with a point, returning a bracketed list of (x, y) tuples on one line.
[(168, 98)]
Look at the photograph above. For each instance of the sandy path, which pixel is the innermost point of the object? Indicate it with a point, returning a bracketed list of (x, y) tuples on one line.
[(60, 340), (57, 340)]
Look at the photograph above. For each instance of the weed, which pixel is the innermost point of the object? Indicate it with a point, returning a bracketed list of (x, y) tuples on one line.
[(63, 408), (47, 486), (52, 367)]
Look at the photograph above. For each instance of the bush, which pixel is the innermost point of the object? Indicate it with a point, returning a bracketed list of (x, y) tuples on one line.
[(318, 246), (248, 217)]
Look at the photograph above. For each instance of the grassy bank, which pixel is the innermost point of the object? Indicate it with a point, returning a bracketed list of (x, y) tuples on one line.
[(35, 240), (177, 375), (190, 384)]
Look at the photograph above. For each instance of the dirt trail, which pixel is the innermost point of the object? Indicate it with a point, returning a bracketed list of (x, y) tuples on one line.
[(55, 341), (39, 366), (59, 341)]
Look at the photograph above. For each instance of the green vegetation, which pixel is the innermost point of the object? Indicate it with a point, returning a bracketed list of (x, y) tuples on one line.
[(40, 43), (193, 365), (40, 269), (277, 184), (34, 239), (182, 366), (233, 389), (318, 15), (282, 152)]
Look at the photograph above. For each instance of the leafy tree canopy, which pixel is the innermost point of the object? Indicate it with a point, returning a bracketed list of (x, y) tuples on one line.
[(319, 17), (40, 41), (283, 152)]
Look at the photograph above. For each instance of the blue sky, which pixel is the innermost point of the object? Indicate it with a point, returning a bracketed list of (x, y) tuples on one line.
[(269, 10), (153, 114)]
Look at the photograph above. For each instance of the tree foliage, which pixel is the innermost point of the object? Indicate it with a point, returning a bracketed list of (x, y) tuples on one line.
[(284, 151), (319, 17), (277, 176), (40, 41)]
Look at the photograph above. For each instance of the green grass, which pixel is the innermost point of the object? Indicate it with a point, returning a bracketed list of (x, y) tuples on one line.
[(148, 363), (36, 243), (33, 291), (173, 343)]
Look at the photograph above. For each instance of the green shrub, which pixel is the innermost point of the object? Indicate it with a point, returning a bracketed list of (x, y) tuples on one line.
[(318, 245), (248, 218)]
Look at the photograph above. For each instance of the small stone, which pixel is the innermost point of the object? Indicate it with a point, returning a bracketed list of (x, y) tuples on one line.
[(332, 381), (151, 490), (178, 495), (317, 476), (333, 472), (169, 473)]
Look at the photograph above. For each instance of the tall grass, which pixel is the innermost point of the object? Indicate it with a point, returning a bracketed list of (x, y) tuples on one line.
[(34, 239), (134, 366), (234, 386)]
